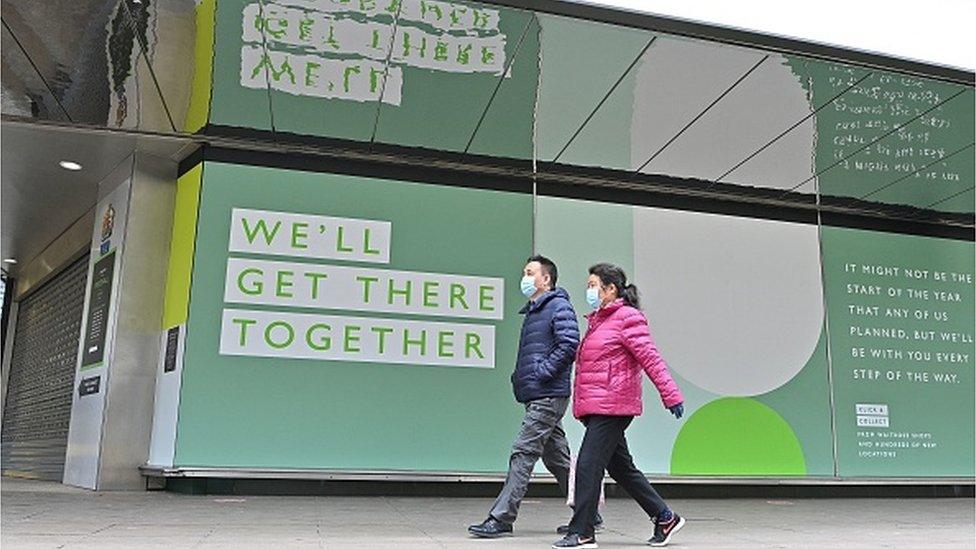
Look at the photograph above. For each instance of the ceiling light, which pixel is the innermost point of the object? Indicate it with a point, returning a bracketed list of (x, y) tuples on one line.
[(10, 260), (69, 165)]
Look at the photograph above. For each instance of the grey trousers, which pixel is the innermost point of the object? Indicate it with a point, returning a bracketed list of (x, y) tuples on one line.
[(542, 436)]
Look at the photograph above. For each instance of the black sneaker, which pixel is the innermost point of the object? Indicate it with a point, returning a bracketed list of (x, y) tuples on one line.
[(564, 529), (490, 528), (574, 540), (663, 531)]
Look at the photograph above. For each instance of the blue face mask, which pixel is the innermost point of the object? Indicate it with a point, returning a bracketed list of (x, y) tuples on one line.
[(528, 286), (593, 297)]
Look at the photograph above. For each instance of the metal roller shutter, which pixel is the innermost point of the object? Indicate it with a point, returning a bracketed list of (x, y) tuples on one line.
[(42, 368)]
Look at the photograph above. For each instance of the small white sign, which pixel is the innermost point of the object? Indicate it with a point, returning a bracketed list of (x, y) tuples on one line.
[(872, 421), (872, 409)]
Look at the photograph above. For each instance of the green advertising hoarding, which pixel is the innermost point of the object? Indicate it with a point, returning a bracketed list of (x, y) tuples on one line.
[(735, 307), (415, 375), (351, 323), (901, 323)]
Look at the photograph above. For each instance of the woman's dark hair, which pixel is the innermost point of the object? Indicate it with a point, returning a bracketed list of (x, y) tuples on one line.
[(612, 274)]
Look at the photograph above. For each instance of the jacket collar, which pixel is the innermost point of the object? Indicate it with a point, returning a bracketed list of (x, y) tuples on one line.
[(606, 310), (533, 306), (596, 318)]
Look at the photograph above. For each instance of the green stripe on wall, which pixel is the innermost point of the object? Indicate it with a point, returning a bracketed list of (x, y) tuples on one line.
[(181, 247)]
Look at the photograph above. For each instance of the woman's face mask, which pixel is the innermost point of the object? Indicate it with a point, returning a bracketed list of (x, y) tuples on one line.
[(593, 297), (596, 294)]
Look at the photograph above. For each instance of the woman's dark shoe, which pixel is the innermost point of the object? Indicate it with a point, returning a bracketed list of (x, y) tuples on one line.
[(490, 528), (664, 531)]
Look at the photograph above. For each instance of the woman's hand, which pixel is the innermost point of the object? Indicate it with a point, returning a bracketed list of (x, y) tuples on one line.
[(678, 410)]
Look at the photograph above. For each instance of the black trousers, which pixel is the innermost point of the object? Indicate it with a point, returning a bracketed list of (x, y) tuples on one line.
[(604, 448)]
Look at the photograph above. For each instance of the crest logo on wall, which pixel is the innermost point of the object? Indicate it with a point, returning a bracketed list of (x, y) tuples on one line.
[(108, 225)]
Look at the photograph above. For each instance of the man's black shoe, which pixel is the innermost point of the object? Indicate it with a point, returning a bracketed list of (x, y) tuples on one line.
[(576, 542), (490, 528), (663, 531)]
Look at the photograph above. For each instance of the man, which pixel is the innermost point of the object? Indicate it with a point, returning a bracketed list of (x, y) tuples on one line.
[(541, 381)]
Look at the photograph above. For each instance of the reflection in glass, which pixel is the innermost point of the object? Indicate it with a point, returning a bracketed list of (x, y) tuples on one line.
[(886, 128), (498, 81), (88, 51), (168, 35), (749, 110), (580, 63), (940, 184), (450, 66), (324, 62), (672, 84), (24, 93), (239, 95)]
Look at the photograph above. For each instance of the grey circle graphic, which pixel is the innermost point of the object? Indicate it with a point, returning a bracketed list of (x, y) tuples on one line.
[(735, 305)]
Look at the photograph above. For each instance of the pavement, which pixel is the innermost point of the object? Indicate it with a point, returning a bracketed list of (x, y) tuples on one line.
[(40, 514)]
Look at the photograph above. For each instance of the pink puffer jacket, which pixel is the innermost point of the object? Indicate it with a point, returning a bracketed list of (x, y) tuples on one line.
[(616, 347)]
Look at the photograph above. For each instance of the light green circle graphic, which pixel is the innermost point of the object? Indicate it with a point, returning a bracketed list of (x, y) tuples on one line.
[(737, 437)]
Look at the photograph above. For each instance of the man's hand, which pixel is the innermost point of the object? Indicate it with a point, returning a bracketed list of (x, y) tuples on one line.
[(678, 410)]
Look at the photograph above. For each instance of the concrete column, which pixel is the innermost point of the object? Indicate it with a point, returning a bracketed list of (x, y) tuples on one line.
[(110, 432)]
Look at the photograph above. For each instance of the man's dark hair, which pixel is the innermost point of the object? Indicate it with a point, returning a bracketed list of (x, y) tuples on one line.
[(548, 267)]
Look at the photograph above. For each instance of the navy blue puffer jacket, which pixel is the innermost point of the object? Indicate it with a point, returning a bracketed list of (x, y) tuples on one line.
[(547, 348)]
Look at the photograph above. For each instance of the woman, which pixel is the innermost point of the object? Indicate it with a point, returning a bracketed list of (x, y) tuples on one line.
[(607, 397)]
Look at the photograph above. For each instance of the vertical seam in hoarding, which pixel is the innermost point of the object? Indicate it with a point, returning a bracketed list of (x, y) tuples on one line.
[(386, 73), (826, 328), (535, 141), (267, 77)]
